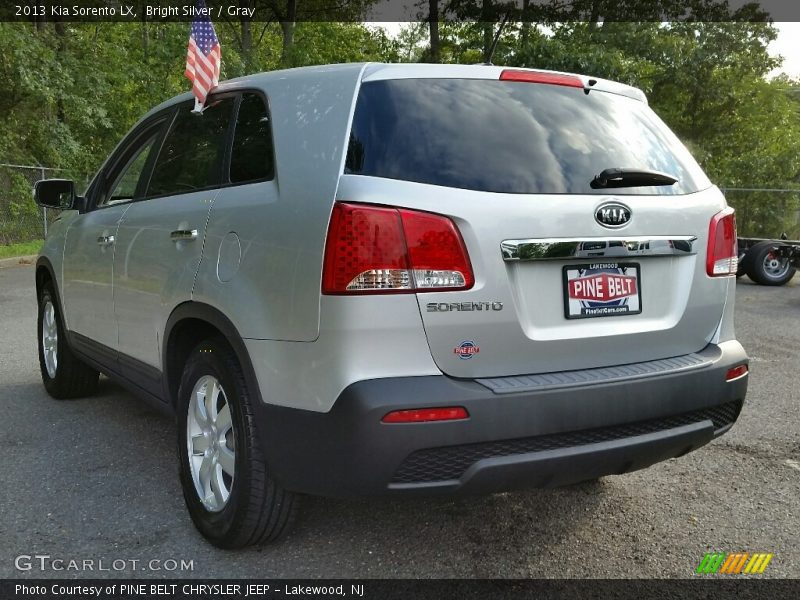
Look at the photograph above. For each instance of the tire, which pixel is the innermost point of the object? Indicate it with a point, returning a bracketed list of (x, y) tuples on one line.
[(762, 267), (64, 375), (229, 493)]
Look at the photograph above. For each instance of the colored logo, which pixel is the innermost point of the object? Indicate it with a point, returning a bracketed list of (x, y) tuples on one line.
[(466, 350), (734, 563)]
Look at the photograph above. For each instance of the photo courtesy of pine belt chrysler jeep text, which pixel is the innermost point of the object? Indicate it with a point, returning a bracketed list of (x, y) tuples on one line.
[(370, 279)]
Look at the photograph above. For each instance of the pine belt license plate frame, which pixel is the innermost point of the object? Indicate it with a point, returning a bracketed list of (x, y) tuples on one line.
[(573, 309)]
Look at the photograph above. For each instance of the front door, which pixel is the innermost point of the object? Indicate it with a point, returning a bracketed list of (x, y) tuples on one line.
[(91, 243)]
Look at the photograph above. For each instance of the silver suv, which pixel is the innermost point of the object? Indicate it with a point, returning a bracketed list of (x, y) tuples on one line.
[(397, 279)]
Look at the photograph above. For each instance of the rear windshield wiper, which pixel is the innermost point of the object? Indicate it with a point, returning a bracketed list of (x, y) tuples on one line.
[(617, 178)]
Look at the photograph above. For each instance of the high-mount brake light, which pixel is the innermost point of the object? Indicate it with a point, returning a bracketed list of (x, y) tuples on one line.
[(722, 257), (377, 250), (541, 77)]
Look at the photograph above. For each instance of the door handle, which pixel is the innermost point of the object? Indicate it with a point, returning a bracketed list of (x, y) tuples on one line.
[(105, 240), (183, 235)]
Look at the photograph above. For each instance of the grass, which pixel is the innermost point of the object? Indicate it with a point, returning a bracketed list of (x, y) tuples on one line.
[(22, 249)]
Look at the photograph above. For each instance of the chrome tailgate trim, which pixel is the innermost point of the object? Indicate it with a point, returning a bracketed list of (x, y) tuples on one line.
[(616, 247)]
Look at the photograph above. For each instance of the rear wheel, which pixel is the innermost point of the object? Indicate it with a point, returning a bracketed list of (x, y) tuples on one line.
[(764, 266), (230, 495), (63, 374)]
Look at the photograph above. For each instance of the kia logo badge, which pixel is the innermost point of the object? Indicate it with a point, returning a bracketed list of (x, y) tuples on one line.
[(612, 215)]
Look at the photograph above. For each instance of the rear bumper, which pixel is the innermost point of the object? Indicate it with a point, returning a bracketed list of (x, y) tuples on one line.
[(533, 438)]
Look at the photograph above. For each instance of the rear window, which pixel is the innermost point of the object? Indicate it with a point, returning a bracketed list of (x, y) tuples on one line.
[(512, 137)]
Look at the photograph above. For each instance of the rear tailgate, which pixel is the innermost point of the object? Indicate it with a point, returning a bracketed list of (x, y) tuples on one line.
[(511, 164), (515, 317)]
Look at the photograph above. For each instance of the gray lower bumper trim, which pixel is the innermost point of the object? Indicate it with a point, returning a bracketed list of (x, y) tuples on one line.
[(546, 381), (541, 437)]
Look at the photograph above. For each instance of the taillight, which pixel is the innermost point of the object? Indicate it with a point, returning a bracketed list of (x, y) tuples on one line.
[(722, 257), (375, 250), (541, 77)]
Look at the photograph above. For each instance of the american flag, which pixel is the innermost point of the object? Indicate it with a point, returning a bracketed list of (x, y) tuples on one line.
[(203, 58)]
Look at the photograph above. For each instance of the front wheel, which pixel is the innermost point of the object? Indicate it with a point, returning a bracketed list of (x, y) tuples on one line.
[(63, 374), (230, 495), (764, 266)]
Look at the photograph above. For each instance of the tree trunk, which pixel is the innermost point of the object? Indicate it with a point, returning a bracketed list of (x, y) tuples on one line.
[(145, 39), (433, 22), (488, 29), (61, 50), (287, 27), (525, 30), (594, 17), (247, 45)]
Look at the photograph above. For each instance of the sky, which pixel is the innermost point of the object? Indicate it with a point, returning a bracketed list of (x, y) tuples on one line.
[(787, 45)]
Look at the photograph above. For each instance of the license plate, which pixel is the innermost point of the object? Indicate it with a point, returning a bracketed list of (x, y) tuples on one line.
[(602, 290)]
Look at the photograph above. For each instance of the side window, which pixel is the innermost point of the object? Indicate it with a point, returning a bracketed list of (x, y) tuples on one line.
[(252, 156), (191, 155), (123, 188)]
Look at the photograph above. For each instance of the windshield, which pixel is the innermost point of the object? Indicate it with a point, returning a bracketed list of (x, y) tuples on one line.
[(513, 137)]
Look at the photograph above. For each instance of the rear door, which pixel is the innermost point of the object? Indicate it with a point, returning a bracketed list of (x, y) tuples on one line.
[(160, 240), (567, 276)]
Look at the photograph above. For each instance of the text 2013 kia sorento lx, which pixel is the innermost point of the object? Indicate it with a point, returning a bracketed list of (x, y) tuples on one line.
[(397, 279)]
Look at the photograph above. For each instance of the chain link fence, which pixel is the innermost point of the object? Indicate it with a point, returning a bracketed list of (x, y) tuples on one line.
[(760, 212), (20, 219), (766, 212)]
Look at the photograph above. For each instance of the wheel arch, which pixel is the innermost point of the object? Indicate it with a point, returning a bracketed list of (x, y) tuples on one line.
[(189, 324), (46, 273)]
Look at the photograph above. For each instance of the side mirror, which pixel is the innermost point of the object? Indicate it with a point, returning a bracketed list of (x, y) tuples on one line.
[(56, 193)]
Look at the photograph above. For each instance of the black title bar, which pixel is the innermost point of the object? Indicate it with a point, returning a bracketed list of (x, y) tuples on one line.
[(703, 587), (538, 11)]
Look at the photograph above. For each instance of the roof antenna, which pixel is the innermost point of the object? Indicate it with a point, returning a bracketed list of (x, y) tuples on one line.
[(495, 40)]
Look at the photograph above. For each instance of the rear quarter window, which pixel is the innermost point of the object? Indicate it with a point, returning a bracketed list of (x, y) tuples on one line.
[(512, 137), (252, 156)]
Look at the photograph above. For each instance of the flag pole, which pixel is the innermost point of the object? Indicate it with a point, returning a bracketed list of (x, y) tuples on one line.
[(203, 57)]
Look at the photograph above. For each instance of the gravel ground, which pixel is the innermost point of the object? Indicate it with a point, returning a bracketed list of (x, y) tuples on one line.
[(97, 479)]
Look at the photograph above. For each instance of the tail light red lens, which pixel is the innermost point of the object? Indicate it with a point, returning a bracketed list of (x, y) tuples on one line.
[(422, 415), (375, 250), (540, 77), (722, 257)]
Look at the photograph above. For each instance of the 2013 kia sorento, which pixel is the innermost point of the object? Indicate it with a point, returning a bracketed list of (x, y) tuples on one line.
[(398, 279)]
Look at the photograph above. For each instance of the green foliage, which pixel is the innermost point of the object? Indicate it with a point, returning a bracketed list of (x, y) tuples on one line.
[(71, 90), (707, 79), (327, 42), (20, 218), (766, 214), (21, 249)]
